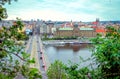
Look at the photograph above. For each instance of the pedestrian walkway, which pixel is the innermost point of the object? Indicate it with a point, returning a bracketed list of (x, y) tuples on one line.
[(34, 54)]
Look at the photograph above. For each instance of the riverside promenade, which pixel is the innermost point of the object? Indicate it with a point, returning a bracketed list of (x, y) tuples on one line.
[(62, 42)]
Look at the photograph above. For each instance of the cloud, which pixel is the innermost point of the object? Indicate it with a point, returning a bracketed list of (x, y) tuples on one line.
[(85, 10)]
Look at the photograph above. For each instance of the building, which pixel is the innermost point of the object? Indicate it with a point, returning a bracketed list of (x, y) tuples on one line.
[(75, 31), (46, 28), (87, 32), (43, 28)]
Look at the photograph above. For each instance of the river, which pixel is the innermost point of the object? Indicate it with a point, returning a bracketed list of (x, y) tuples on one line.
[(69, 52)]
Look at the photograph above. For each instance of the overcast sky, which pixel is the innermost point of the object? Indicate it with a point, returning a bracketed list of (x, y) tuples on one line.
[(65, 10)]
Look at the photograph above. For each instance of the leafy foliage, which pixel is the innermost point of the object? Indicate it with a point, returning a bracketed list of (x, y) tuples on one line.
[(74, 73), (59, 38), (2, 2), (107, 53), (56, 71), (14, 60), (3, 13)]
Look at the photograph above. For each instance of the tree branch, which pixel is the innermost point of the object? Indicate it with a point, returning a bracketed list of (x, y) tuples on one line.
[(18, 56)]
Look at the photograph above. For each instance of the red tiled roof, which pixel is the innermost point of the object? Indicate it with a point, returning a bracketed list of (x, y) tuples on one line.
[(100, 30), (94, 22)]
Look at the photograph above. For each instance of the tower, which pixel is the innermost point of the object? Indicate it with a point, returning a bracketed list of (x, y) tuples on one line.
[(97, 22)]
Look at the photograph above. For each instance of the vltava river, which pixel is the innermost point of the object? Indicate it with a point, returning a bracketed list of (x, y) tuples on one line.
[(68, 52)]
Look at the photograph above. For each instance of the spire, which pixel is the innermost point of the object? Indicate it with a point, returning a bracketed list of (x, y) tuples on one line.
[(71, 23)]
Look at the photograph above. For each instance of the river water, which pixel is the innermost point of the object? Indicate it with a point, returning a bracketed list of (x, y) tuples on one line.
[(69, 52)]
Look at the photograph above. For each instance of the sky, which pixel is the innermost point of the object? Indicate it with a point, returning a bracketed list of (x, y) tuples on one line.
[(64, 10)]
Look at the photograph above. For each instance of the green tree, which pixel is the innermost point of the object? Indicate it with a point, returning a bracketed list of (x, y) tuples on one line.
[(74, 71), (56, 71), (107, 53), (3, 12), (6, 1), (13, 59)]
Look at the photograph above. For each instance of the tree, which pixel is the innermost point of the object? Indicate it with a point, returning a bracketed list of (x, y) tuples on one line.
[(13, 59), (107, 53), (3, 12), (2, 2), (56, 71)]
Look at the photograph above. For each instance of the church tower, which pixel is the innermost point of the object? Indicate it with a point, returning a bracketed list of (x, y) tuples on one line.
[(97, 22)]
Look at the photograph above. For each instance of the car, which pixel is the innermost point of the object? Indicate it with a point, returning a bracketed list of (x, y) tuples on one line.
[(43, 65), (25, 42), (41, 57), (40, 52)]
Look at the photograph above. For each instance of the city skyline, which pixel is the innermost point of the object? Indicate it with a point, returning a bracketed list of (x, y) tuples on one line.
[(64, 10)]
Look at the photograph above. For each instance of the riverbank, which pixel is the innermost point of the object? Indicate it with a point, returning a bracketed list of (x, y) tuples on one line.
[(62, 42)]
